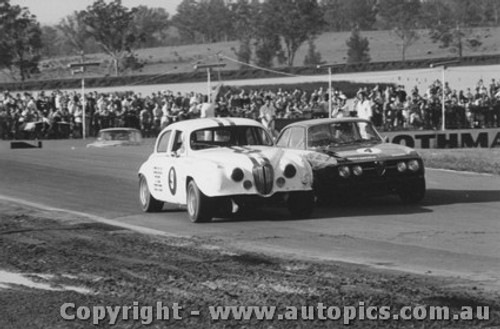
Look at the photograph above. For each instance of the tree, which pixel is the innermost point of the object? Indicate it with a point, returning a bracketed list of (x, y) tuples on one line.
[(358, 48), (243, 14), (403, 17), (151, 25), (75, 32), (217, 25), (21, 43), (267, 43), (208, 19), (51, 42), (294, 22), (313, 57), (454, 30), (187, 20), (111, 25), (267, 47), (344, 15)]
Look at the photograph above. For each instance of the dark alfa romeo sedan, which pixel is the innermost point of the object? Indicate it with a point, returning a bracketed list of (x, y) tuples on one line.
[(349, 157)]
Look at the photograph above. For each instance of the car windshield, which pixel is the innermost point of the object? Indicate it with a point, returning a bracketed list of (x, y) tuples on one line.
[(341, 133), (229, 136), (120, 135)]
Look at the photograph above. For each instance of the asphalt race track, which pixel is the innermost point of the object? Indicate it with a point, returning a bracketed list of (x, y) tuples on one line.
[(454, 232)]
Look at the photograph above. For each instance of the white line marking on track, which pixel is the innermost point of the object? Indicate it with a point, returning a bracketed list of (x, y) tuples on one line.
[(136, 228)]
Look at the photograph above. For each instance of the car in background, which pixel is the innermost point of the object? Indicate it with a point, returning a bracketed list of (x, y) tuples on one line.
[(350, 159), (117, 137), (215, 166)]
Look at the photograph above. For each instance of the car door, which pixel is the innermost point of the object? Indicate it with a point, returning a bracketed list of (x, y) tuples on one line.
[(161, 161), (175, 168)]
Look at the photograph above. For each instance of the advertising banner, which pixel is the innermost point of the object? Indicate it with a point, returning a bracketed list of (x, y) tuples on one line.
[(428, 139)]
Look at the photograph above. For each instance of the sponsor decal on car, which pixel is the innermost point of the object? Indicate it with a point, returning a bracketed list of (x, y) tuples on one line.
[(172, 181), (370, 150)]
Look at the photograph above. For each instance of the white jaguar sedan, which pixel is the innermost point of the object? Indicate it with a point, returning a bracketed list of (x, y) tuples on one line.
[(216, 166)]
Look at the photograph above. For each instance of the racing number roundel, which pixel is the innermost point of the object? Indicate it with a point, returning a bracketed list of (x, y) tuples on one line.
[(172, 180)]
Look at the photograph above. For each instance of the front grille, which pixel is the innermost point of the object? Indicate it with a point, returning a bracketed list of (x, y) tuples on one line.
[(373, 172), (390, 169), (263, 177)]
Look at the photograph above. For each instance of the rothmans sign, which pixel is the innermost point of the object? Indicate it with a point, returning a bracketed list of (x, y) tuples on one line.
[(427, 139)]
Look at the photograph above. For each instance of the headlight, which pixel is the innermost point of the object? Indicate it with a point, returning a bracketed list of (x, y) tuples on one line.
[(401, 166), (247, 184), (280, 182), (357, 170), (413, 165), (290, 171), (237, 175), (344, 171)]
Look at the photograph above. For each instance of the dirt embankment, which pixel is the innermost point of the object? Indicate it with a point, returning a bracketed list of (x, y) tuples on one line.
[(89, 264)]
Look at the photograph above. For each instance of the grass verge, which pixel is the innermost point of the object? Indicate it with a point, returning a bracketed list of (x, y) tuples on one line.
[(476, 160)]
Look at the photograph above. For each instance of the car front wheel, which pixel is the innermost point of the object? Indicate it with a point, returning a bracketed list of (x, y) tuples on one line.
[(301, 204), (148, 202), (199, 206), (414, 193)]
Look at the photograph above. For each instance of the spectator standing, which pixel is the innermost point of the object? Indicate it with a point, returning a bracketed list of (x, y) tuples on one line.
[(363, 107), (145, 121), (3, 122), (77, 121), (267, 115), (207, 109)]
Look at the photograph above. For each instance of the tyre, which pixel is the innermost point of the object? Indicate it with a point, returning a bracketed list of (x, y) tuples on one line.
[(412, 194), (199, 206), (148, 202), (301, 204)]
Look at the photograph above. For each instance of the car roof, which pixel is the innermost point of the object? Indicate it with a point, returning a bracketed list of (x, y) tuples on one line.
[(195, 124), (314, 122)]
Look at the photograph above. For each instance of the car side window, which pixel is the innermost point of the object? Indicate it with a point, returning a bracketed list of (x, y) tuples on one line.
[(283, 139), (178, 145), (297, 138), (163, 142)]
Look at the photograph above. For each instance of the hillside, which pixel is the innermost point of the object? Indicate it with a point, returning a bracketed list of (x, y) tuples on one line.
[(384, 46)]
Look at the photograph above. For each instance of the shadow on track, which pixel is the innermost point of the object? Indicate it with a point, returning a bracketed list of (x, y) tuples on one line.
[(375, 206), (346, 208)]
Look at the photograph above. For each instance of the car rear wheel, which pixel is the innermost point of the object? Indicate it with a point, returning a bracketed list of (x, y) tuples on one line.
[(148, 202), (414, 193), (199, 206), (301, 204)]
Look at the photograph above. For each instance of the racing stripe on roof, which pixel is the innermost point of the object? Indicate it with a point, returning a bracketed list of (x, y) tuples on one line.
[(220, 123), (231, 122)]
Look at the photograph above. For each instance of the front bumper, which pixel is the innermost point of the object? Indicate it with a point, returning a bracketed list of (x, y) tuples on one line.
[(373, 181), (277, 198)]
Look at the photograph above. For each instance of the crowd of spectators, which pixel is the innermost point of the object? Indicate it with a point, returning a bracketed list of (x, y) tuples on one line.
[(394, 108), (58, 114)]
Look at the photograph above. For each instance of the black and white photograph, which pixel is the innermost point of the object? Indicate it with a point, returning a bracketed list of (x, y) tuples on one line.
[(250, 164)]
